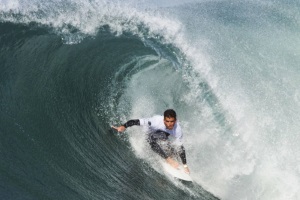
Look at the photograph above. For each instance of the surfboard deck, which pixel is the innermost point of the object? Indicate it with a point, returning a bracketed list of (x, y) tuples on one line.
[(176, 173)]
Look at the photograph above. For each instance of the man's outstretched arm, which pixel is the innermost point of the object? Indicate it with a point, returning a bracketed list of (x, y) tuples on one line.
[(129, 123)]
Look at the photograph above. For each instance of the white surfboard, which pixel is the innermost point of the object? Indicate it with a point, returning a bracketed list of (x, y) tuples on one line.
[(176, 173)]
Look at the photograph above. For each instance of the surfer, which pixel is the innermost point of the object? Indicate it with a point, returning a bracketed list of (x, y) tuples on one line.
[(162, 129)]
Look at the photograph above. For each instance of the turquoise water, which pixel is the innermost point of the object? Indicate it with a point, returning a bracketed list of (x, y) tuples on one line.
[(71, 69)]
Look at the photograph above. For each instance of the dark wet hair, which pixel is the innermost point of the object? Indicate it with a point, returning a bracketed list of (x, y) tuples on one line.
[(170, 113)]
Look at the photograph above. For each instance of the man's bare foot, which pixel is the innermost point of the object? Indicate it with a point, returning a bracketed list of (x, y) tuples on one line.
[(172, 162)]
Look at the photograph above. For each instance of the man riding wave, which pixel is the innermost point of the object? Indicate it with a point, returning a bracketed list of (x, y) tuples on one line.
[(161, 129)]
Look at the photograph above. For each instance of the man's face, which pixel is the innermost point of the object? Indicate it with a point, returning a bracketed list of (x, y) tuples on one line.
[(169, 122)]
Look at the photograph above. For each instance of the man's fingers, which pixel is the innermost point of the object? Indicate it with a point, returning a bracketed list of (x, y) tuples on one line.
[(187, 170), (117, 128)]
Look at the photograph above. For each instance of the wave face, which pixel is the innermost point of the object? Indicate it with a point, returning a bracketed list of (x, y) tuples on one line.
[(71, 69)]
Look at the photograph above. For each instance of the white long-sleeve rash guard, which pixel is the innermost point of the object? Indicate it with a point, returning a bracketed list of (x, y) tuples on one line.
[(156, 123)]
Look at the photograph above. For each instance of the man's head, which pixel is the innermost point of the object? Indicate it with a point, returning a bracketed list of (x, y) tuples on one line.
[(169, 118)]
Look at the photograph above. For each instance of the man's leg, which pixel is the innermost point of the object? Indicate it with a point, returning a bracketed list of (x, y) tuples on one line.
[(157, 149)]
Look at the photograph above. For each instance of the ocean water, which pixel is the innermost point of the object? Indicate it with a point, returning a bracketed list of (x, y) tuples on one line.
[(71, 69)]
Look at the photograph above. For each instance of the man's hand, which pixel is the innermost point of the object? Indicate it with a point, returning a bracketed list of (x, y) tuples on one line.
[(172, 162), (120, 128), (186, 169)]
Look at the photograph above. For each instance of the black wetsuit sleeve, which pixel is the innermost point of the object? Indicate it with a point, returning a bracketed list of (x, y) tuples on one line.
[(132, 122), (182, 155)]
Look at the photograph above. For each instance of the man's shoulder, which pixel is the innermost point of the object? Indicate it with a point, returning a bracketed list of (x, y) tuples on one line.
[(158, 117)]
